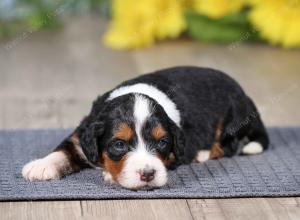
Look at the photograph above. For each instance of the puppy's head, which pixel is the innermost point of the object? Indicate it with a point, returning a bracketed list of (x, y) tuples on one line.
[(134, 140)]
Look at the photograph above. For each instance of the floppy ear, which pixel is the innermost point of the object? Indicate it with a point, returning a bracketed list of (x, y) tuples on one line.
[(178, 147), (92, 128), (89, 131)]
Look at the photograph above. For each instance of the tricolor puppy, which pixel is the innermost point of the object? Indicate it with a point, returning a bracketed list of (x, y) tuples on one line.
[(155, 122)]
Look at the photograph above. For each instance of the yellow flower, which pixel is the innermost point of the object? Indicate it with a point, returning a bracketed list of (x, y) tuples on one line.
[(139, 23), (278, 21), (253, 2), (218, 8)]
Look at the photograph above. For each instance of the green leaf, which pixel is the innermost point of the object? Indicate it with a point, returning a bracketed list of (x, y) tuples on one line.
[(229, 29)]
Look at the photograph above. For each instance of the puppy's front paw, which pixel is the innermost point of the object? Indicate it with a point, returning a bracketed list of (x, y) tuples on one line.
[(47, 168)]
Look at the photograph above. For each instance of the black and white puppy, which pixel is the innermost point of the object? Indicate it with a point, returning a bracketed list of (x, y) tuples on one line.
[(157, 121)]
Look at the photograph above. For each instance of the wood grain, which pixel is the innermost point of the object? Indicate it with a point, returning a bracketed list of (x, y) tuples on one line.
[(136, 209), (245, 208), (40, 210), (205, 209)]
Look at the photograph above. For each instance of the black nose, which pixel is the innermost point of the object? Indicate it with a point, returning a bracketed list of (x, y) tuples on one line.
[(147, 175)]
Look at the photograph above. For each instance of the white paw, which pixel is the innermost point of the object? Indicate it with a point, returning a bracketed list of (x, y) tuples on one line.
[(107, 177), (252, 148), (47, 168), (202, 156)]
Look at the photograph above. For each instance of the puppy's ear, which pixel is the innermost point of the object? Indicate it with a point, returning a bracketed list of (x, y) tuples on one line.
[(89, 132), (178, 146)]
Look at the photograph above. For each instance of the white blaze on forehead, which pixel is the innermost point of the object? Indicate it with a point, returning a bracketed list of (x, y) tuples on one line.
[(154, 93), (141, 111)]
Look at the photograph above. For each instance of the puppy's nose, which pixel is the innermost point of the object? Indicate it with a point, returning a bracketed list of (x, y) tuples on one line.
[(147, 175)]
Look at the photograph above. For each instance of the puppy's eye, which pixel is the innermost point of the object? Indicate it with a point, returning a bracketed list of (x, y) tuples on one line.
[(162, 143), (120, 146)]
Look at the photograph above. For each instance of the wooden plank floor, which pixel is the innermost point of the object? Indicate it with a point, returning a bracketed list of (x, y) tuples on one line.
[(48, 80)]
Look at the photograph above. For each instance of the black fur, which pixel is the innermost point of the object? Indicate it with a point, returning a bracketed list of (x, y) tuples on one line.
[(204, 98)]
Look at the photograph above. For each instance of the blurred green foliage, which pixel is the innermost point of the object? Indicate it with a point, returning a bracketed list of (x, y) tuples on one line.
[(16, 15), (231, 28)]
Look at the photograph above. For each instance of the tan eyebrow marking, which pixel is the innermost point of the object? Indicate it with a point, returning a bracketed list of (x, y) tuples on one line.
[(158, 132), (124, 132)]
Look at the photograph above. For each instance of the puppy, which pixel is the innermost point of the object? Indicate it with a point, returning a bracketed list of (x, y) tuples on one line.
[(156, 122)]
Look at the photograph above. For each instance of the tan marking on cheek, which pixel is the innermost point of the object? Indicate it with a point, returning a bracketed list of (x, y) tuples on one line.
[(124, 132), (216, 151), (113, 167), (158, 132)]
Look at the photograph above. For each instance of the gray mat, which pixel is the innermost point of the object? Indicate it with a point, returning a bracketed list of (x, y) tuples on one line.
[(273, 173)]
